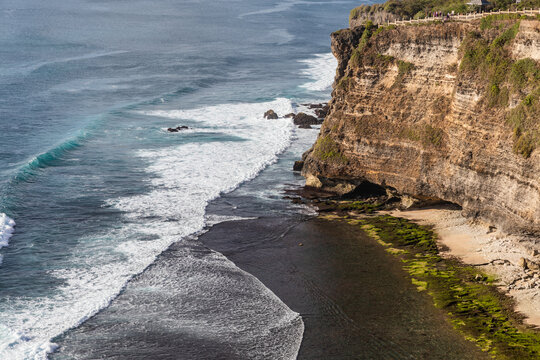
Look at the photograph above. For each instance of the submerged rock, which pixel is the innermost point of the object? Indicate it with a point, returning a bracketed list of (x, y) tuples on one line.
[(271, 114)]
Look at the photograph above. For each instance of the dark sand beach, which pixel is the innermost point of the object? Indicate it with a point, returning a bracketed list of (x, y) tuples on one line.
[(355, 300)]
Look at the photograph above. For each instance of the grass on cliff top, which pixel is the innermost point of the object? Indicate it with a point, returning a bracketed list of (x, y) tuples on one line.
[(419, 9), (494, 20), (473, 304), (506, 79), (411, 8)]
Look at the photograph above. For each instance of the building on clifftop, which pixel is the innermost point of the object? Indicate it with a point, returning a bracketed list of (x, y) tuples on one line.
[(479, 4)]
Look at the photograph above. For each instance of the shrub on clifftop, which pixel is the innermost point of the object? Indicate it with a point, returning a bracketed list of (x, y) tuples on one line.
[(419, 9)]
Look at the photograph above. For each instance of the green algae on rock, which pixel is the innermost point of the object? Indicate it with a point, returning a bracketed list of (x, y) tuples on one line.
[(469, 297)]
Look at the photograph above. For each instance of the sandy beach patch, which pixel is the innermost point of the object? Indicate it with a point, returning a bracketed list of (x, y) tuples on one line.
[(491, 250)]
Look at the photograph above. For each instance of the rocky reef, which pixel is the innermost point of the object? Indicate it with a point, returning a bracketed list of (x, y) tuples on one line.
[(438, 112)]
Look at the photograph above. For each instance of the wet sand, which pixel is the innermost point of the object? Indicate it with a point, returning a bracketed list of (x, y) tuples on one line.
[(354, 298)]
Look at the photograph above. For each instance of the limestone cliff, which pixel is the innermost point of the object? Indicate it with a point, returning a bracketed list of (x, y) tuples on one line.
[(442, 112)]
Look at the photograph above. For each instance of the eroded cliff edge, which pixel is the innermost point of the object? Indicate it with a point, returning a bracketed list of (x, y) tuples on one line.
[(438, 112)]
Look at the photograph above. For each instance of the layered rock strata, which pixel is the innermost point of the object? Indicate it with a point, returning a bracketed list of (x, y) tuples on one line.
[(405, 116)]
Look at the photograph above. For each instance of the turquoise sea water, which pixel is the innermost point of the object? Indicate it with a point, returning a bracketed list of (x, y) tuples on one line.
[(96, 185)]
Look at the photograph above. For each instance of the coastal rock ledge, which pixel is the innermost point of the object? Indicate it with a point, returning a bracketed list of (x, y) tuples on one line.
[(420, 110)]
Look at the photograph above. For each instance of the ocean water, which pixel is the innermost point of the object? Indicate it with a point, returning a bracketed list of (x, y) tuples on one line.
[(92, 186)]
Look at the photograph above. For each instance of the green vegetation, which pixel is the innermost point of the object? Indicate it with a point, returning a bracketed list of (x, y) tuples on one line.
[(524, 4), (506, 78), (382, 61), (497, 97), (432, 135), (524, 72), (326, 149), (468, 296), (363, 55), (380, 29), (506, 36), (487, 58), (359, 206), (419, 9), (525, 117), (375, 60), (404, 68), (411, 8), (344, 83), (489, 22), (366, 35), (424, 133), (365, 9), (356, 56)]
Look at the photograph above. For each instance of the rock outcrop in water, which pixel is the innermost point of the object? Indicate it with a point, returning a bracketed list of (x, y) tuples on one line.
[(304, 119), (438, 112), (178, 128), (271, 114)]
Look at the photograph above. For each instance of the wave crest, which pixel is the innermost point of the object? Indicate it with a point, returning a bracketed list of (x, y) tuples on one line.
[(7, 227)]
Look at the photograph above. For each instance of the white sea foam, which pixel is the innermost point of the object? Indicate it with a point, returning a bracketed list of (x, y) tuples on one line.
[(321, 70), (184, 178), (213, 219), (7, 227)]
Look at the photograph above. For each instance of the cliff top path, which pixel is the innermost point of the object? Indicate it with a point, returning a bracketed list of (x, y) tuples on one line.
[(463, 17)]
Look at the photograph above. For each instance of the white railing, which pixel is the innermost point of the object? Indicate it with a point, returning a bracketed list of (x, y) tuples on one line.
[(466, 17)]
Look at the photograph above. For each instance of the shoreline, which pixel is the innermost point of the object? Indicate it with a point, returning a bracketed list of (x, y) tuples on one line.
[(463, 266), (494, 251), (354, 298)]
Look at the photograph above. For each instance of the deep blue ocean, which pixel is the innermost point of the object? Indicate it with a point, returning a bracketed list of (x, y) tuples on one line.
[(92, 186)]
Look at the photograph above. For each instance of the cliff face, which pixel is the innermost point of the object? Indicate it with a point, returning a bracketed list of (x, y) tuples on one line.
[(411, 112)]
